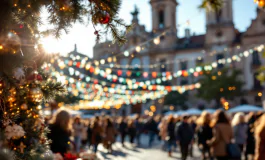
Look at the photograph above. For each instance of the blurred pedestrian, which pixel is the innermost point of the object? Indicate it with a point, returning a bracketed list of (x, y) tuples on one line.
[(193, 125), (240, 130), (163, 132), (89, 133), (184, 136), (139, 130), (260, 139), (152, 130), (77, 128), (110, 132), (204, 133), (250, 146), (171, 138), (60, 132), (123, 129), (97, 134), (222, 135), (131, 131)]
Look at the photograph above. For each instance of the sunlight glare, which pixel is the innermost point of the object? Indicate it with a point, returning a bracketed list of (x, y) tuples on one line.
[(51, 45)]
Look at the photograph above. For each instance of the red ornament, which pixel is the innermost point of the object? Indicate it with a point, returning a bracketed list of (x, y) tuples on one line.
[(119, 72), (39, 77), (34, 76), (105, 19)]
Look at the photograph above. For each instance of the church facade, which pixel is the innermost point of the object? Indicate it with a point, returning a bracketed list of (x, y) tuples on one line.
[(175, 53)]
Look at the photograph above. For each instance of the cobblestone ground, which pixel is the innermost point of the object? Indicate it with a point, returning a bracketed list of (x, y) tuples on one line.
[(132, 152)]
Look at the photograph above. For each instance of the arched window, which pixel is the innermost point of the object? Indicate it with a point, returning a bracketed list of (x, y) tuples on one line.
[(255, 58), (161, 19)]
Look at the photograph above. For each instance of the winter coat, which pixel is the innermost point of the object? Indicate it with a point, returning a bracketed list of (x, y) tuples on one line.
[(60, 139), (250, 147), (260, 145), (240, 133), (97, 134), (184, 133), (78, 129), (152, 126), (131, 130), (110, 134), (171, 132), (222, 135), (163, 130), (123, 128), (204, 133)]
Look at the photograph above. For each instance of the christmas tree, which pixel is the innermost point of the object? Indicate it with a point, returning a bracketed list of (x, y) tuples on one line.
[(24, 86)]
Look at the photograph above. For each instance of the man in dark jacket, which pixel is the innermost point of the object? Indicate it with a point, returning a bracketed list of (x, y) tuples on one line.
[(152, 130), (184, 136), (123, 130)]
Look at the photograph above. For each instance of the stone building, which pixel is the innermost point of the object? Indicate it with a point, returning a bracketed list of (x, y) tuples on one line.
[(221, 40)]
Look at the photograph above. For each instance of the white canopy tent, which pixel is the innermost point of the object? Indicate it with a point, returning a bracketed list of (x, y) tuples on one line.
[(193, 111), (245, 108)]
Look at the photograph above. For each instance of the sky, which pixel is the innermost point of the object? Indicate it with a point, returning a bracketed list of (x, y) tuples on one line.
[(243, 10)]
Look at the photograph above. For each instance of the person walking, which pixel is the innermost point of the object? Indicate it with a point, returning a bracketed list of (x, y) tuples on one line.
[(240, 130), (250, 144), (60, 132), (184, 136), (193, 125), (139, 130), (163, 132), (152, 130), (97, 134), (89, 133), (123, 129), (110, 135), (204, 133), (222, 135), (131, 131), (260, 139), (171, 138), (78, 129)]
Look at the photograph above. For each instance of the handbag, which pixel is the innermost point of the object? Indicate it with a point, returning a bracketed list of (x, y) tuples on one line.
[(232, 149)]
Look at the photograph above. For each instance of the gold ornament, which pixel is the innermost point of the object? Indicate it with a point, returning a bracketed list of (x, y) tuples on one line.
[(22, 147), (24, 106), (35, 94), (10, 43)]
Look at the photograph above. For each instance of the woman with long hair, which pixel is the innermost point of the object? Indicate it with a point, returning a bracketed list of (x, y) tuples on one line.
[(131, 130), (260, 139), (222, 135), (97, 134), (163, 132), (250, 144), (110, 132), (240, 130), (78, 130), (204, 133), (171, 138), (60, 132)]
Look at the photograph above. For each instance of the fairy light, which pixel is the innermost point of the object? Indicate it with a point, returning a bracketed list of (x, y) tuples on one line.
[(138, 49)]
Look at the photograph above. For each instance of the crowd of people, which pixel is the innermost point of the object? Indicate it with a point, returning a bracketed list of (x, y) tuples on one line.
[(214, 134)]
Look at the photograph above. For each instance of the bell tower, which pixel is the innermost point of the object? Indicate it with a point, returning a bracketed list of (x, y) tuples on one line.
[(164, 18), (220, 25)]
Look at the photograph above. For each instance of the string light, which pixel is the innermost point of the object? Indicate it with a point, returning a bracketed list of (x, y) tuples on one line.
[(156, 41), (138, 49), (126, 53)]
